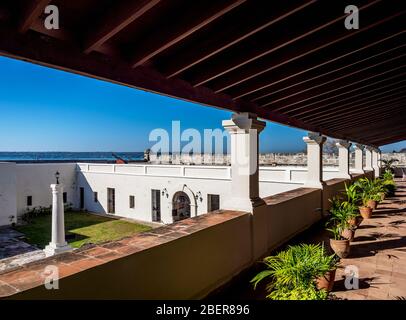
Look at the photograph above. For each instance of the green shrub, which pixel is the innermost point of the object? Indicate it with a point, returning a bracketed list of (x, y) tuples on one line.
[(295, 270), (299, 293)]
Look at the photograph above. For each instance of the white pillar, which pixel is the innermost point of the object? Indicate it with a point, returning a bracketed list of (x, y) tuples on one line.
[(375, 162), (314, 143), (344, 159), (244, 131), (58, 243), (359, 158), (368, 159)]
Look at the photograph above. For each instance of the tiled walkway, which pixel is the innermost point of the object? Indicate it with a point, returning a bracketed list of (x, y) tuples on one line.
[(379, 253), (14, 252)]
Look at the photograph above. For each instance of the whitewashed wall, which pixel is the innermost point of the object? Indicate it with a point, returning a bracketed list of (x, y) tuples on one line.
[(17, 181), (8, 193), (138, 180), (35, 180), (140, 186)]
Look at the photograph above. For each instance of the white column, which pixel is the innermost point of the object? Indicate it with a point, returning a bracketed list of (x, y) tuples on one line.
[(359, 158), (244, 131), (314, 143), (344, 159), (58, 243), (375, 162), (368, 159)]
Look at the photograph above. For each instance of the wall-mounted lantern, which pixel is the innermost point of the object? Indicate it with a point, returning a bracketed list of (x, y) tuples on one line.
[(199, 196), (57, 175), (165, 193)]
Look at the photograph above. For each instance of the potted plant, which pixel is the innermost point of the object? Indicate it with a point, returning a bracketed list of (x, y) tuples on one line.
[(367, 196), (353, 199), (388, 182), (325, 279), (344, 214), (296, 273), (387, 165), (339, 244)]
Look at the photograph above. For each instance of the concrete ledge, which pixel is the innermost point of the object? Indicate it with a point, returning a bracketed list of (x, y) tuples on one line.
[(150, 265), (288, 195)]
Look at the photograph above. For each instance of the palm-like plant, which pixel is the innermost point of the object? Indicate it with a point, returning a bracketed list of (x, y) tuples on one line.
[(342, 210), (295, 270), (387, 164), (352, 194), (388, 181), (366, 189)]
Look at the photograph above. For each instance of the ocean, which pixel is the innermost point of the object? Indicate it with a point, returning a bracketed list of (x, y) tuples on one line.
[(69, 156)]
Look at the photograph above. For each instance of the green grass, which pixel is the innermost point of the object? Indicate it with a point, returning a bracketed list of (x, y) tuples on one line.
[(83, 227)]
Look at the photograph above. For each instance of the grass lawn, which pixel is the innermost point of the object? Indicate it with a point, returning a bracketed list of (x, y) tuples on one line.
[(81, 228)]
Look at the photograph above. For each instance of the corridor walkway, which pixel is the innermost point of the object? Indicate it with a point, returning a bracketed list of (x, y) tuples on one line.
[(379, 253)]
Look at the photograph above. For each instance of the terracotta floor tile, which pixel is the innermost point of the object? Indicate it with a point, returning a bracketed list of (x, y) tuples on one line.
[(86, 263), (383, 259), (6, 290), (94, 252)]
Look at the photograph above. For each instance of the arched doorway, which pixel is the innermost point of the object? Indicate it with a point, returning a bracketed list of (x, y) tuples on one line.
[(180, 206)]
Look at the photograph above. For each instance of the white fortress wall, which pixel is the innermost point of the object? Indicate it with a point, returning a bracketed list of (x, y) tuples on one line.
[(18, 181), (35, 179), (8, 192)]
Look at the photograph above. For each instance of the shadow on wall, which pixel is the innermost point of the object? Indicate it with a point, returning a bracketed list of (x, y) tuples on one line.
[(89, 201)]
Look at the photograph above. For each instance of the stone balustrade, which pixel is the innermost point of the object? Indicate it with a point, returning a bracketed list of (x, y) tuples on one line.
[(264, 159)]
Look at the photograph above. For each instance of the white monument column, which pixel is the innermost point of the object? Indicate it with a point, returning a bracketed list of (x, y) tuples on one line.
[(359, 158), (368, 159), (244, 129), (344, 159), (375, 162), (58, 243), (314, 143)]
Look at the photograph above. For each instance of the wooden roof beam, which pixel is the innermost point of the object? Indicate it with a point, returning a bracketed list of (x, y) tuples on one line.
[(228, 37), (167, 37), (354, 110), (119, 18), (265, 67), (393, 139), (368, 116), (377, 95), (366, 124), (35, 9), (335, 83), (260, 89), (310, 108)]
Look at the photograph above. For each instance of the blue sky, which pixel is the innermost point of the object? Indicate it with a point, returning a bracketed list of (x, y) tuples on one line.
[(43, 109)]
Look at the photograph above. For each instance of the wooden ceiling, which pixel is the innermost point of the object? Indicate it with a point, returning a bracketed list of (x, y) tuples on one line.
[(291, 62)]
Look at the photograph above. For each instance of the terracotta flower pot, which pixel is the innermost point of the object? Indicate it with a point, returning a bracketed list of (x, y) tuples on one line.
[(340, 247), (372, 204), (353, 222), (348, 234), (366, 212), (326, 281)]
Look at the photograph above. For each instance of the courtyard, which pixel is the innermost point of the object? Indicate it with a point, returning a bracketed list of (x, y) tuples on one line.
[(25, 242)]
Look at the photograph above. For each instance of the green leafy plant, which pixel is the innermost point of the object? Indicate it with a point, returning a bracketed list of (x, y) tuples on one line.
[(341, 213), (336, 227), (298, 293), (367, 190), (352, 194), (388, 176), (388, 182), (292, 272), (388, 164)]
